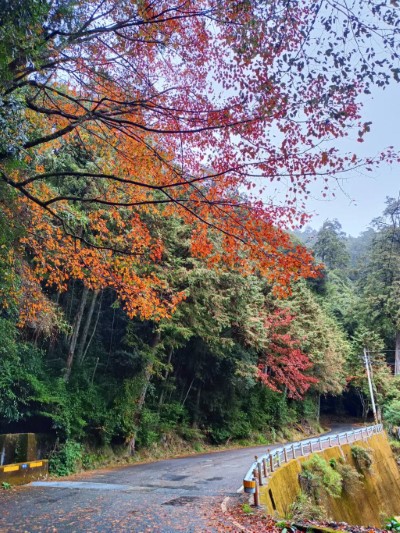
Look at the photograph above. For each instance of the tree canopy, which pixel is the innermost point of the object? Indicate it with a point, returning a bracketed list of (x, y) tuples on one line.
[(114, 113)]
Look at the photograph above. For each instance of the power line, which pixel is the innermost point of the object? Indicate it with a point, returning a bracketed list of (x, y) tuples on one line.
[(379, 351)]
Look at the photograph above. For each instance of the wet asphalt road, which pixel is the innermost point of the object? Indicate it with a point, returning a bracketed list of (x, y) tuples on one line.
[(167, 496)]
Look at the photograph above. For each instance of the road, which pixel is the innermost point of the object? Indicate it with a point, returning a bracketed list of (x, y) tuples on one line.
[(166, 496)]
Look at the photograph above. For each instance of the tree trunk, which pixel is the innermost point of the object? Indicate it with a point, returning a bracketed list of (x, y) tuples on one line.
[(318, 407), (148, 371), (71, 301), (94, 370), (111, 339), (164, 385), (94, 327), (397, 355), (75, 333), (197, 408), (146, 382), (364, 406), (188, 391), (85, 332)]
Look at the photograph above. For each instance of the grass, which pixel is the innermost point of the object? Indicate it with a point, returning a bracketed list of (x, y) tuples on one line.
[(247, 509)]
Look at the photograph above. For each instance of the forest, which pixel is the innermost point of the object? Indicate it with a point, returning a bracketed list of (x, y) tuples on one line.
[(150, 288)]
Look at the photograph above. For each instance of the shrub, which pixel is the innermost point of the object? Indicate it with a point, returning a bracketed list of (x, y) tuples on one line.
[(391, 413), (89, 461), (21, 374), (392, 524), (363, 457), (190, 434), (148, 432), (173, 415), (247, 509), (197, 447), (219, 435), (351, 479), (286, 527), (304, 508), (319, 478), (66, 458)]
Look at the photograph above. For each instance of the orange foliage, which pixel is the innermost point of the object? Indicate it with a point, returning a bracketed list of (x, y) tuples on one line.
[(156, 141), (109, 234), (58, 257), (36, 311)]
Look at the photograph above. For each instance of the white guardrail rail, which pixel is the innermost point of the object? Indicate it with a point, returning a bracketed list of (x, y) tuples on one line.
[(265, 465)]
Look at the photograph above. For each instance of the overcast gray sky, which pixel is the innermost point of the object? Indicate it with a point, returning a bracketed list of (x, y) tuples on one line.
[(363, 195)]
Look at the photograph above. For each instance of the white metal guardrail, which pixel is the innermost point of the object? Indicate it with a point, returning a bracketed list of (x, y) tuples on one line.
[(265, 465)]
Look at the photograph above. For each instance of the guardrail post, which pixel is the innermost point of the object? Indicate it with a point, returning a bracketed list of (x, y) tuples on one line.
[(294, 451), (260, 478), (264, 461), (320, 444), (285, 455), (278, 455), (301, 449), (271, 462), (330, 441), (256, 494)]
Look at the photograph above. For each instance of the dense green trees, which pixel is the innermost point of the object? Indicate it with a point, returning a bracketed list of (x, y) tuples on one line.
[(197, 372), (380, 280), (329, 245), (215, 367), (362, 296)]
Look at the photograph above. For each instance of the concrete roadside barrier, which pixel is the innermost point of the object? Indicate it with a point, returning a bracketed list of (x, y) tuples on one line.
[(22, 473)]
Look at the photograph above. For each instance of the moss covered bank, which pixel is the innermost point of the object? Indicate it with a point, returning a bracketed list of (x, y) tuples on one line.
[(378, 498)]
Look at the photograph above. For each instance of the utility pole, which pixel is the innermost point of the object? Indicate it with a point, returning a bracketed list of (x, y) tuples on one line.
[(371, 390), (397, 355)]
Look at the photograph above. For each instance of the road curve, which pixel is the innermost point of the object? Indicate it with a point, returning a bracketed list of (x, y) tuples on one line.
[(166, 496)]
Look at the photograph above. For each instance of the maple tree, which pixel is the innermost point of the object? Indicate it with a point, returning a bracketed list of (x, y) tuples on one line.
[(181, 106), (283, 363), (194, 88)]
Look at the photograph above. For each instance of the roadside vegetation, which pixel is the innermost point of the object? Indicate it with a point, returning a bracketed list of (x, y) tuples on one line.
[(201, 377)]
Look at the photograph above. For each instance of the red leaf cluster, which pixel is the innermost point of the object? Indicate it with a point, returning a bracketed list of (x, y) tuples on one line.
[(283, 365)]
